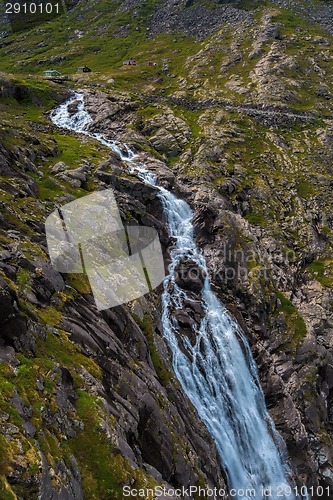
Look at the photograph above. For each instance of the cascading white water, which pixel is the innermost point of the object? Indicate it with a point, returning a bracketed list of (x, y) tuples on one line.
[(218, 372)]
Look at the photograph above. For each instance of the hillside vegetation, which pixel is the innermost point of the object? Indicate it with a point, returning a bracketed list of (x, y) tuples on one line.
[(236, 117)]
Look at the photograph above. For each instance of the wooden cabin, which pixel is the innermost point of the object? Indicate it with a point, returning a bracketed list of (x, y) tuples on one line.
[(55, 76), (129, 62), (52, 73), (84, 69)]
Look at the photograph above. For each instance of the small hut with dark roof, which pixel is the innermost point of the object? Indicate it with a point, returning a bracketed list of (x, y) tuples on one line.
[(84, 69)]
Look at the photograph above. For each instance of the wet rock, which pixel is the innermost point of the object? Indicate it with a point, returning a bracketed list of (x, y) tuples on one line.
[(183, 319), (190, 276), (73, 108)]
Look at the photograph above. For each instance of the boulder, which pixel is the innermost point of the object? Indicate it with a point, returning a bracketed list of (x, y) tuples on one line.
[(190, 276), (59, 167)]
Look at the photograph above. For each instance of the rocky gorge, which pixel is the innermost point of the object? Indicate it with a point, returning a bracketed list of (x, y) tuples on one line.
[(257, 279), (130, 406), (243, 132)]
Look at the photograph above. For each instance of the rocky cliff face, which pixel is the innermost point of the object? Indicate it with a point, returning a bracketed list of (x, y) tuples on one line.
[(266, 269), (238, 121), (89, 401)]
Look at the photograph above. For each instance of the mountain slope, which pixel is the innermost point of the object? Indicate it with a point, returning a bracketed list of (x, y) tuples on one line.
[(69, 422), (236, 116)]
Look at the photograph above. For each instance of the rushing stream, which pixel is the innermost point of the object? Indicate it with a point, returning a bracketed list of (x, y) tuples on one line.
[(218, 373)]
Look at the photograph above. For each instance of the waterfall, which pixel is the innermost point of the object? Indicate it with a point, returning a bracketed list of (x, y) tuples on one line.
[(218, 372)]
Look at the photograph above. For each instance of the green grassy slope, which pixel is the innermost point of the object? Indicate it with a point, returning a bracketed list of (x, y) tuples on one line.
[(102, 34), (25, 128)]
